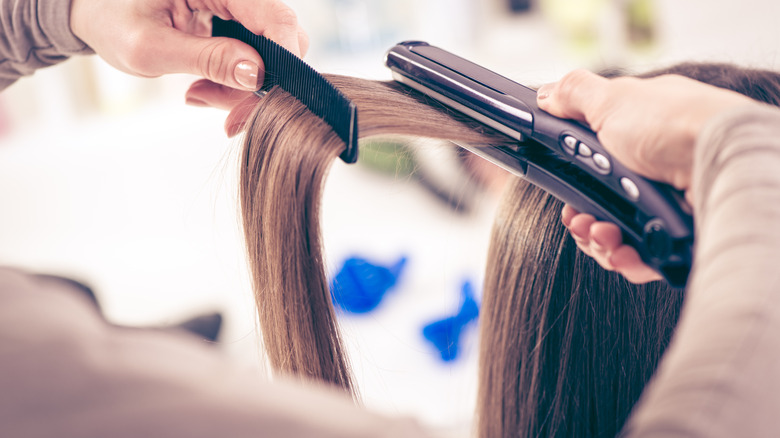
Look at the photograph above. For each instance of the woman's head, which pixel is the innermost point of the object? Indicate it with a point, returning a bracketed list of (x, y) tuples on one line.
[(566, 346), (761, 85)]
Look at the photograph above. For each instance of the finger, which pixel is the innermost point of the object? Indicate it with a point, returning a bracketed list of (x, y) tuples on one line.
[(567, 214), (225, 61), (239, 117), (584, 248), (601, 255), (573, 96), (303, 42), (627, 262), (580, 227), (605, 236), (206, 93), (689, 197), (270, 18)]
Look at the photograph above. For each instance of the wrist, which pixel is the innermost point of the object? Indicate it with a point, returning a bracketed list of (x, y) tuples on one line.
[(75, 21), (53, 17), (708, 109)]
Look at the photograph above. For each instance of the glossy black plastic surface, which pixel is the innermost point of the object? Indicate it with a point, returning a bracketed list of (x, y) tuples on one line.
[(654, 218)]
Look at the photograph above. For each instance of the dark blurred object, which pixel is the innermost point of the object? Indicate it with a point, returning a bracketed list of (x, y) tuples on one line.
[(206, 326), (519, 6), (73, 284)]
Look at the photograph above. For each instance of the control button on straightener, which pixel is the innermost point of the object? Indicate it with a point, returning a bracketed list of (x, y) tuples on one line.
[(569, 144), (584, 150), (657, 241), (630, 188), (602, 162)]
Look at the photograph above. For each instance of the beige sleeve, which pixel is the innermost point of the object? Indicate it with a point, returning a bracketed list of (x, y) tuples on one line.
[(720, 376), (35, 34), (67, 373)]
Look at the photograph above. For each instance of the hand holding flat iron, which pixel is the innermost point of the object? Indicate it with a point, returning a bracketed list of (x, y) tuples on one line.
[(651, 126)]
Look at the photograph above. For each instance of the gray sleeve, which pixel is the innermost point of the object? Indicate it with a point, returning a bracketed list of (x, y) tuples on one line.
[(720, 376), (67, 373), (35, 34)]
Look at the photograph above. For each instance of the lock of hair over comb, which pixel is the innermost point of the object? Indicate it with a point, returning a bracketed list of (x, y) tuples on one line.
[(284, 69)]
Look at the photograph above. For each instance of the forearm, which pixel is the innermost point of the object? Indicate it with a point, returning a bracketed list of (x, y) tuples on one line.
[(720, 375), (34, 34), (68, 373)]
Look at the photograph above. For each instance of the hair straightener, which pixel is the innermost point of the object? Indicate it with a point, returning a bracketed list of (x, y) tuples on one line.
[(562, 157)]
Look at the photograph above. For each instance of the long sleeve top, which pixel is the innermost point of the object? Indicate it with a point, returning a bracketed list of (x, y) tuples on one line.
[(65, 372), (35, 34), (720, 376)]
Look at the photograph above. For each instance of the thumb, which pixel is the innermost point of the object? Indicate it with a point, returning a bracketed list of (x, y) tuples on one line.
[(574, 96), (225, 61)]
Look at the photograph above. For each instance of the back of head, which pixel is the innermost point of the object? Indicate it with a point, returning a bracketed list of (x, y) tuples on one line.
[(567, 347)]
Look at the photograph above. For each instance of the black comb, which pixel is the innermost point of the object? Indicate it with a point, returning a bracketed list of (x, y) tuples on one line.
[(294, 76)]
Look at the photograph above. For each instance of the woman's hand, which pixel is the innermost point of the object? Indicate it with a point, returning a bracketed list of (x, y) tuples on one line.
[(150, 38), (241, 104), (651, 126), (603, 241)]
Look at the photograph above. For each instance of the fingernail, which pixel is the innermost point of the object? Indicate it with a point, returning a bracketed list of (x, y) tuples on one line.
[(195, 102), (246, 74), (235, 129)]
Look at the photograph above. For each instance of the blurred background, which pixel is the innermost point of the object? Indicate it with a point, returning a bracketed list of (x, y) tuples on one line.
[(112, 180)]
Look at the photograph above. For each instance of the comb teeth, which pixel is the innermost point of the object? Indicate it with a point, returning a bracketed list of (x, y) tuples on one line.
[(289, 72)]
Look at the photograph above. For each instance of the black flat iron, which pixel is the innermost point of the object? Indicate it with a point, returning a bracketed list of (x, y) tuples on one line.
[(561, 156)]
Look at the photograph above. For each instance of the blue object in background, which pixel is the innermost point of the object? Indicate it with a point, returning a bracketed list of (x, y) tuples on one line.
[(445, 334), (360, 285)]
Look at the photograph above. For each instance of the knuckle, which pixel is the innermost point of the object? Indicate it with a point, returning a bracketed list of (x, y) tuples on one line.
[(282, 15), (625, 84), (208, 61), (303, 41), (136, 55), (584, 248), (571, 82)]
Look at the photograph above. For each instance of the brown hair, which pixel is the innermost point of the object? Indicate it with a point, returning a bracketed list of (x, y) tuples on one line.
[(286, 157), (566, 346)]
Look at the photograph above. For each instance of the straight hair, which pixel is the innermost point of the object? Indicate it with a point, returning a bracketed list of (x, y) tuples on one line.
[(286, 157), (566, 346)]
